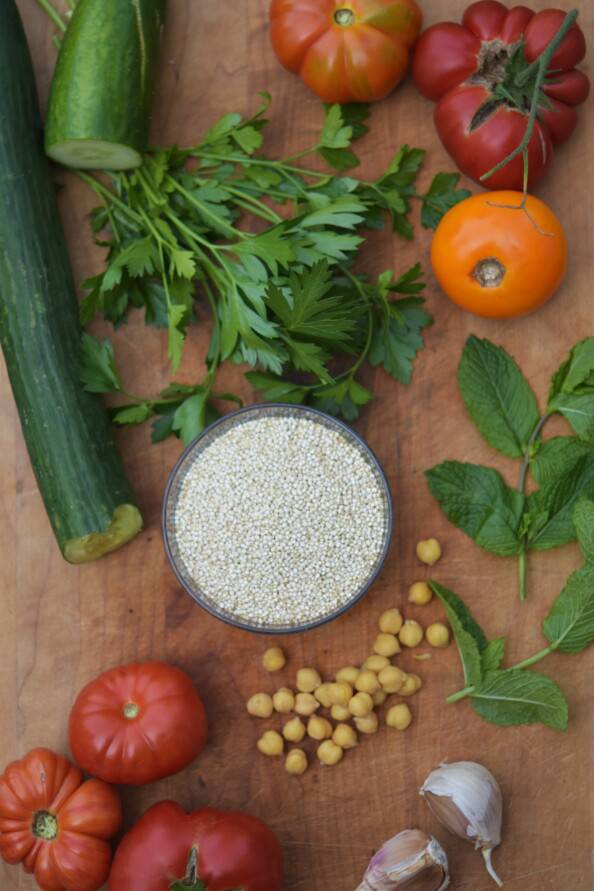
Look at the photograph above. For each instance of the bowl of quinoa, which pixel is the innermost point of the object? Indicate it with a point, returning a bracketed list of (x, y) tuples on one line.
[(277, 518)]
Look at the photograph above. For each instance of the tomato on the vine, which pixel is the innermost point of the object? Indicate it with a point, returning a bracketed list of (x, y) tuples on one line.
[(483, 76), (57, 824), (346, 50), (137, 723), (205, 850), (497, 260)]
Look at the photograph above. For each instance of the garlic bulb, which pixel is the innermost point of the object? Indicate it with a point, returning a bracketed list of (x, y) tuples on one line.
[(412, 860), (466, 799)]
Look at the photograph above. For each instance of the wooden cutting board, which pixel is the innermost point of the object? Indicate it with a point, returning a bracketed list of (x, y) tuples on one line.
[(61, 625)]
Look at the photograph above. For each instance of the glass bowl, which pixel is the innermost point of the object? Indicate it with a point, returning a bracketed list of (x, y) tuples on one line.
[(205, 439)]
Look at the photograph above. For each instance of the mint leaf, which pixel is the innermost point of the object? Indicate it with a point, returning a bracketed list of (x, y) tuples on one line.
[(477, 500), (441, 197), (583, 520), (516, 697), (133, 414), (554, 503), (97, 369), (577, 372), (578, 411), (569, 627), (497, 396), (470, 638), (556, 457), (492, 656)]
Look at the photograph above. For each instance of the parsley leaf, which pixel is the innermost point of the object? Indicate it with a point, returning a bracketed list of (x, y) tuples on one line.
[(97, 367), (441, 197), (497, 396)]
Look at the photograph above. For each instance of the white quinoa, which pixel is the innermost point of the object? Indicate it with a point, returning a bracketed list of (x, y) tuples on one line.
[(279, 521)]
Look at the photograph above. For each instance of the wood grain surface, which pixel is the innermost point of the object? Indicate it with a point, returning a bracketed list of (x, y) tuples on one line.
[(61, 625)]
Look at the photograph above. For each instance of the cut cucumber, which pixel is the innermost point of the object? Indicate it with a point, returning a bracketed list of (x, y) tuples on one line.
[(100, 101), (79, 472)]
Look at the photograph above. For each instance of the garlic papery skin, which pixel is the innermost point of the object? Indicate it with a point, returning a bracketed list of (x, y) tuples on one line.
[(412, 860), (466, 799)]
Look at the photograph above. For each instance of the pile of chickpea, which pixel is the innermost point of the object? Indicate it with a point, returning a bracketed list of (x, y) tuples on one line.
[(355, 692)]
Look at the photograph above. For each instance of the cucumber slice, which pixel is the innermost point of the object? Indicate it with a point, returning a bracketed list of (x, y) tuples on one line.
[(100, 100)]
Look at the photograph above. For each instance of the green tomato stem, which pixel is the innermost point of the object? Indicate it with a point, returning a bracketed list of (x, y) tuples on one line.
[(568, 22)]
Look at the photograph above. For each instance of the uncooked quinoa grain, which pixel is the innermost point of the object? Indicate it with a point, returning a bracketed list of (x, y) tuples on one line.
[(279, 521)]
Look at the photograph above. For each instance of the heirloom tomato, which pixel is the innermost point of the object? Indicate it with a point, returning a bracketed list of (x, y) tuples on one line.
[(483, 75), (57, 824), (137, 723), (346, 50), (495, 260), (205, 850)]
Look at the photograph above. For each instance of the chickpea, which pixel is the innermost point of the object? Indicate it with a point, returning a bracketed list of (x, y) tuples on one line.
[(349, 675), (296, 762), (340, 712), (390, 621), (411, 633), (306, 704), (375, 663), (429, 551), (412, 684), (323, 695), (271, 743), (399, 716), (392, 679), (329, 753), (379, 697), (438, 635), (367, 682), (345, 736), (260, 705), (367, 724), (283, 701), (307, 680), (273, 659), (340, 693), (420, 593), (319, 728), (360, 705), (386, 645), (294, 730)]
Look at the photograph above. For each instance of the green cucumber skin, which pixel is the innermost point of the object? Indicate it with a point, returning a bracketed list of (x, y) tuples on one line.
[(67, 430), (103, 82)]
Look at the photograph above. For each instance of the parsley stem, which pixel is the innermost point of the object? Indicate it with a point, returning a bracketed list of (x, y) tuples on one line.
[(526, 663), (206, 212), (279, 166), (102, 191), (52, 13), (255, 206)]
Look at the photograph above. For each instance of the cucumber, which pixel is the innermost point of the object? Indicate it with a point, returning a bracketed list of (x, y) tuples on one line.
[(80, 476), (99, 107)]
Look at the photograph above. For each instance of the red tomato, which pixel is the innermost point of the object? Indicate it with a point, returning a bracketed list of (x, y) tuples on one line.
[(137, 723), (466, 69), (224, 849), (55, 824), (346, 50)]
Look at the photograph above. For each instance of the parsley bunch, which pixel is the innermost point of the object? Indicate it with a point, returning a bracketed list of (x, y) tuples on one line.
[(520, 695), (269, 247), (505, 520)]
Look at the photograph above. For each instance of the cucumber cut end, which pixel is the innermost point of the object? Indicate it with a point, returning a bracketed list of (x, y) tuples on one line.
[(125, 524), (94, 154)]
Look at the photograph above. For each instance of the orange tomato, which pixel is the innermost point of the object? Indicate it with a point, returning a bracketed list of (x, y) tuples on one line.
[(351, 51), (499, 261)]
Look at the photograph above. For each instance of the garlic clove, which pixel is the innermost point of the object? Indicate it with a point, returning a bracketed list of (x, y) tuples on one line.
[(466, 799), (412, 860)]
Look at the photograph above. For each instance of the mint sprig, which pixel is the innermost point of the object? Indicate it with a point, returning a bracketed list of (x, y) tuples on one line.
[(503, 406), (518, 694)]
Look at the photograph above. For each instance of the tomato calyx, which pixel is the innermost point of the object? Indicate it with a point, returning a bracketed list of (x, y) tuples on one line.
[(44, 825), (489, 272), (130, 710), (192, 881), (344, 17)]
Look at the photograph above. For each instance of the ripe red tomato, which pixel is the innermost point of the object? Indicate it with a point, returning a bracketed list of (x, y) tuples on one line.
[(223, 849), (471, 71), (57, 825), (137, 723), (346, 50)]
